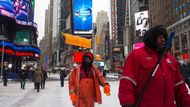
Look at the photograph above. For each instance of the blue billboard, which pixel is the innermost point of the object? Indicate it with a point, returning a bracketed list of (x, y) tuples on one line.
[(7, 8), (22, 9), (82, 17)]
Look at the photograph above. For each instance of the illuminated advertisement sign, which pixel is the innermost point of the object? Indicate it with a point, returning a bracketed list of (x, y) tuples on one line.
[(7, 8), (141, 23), (82, 17), (22, 9), (20, 48)]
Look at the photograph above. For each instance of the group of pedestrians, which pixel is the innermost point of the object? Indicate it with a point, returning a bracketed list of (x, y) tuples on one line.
[(151, 77), (184, 68)]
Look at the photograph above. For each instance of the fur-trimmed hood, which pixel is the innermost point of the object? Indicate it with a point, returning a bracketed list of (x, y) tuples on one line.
[(151, 35)]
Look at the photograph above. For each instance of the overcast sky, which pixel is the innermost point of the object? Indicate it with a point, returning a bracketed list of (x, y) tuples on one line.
[(41, 5)]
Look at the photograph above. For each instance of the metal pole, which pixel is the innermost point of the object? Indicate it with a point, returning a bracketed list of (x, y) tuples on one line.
[(2, 59)]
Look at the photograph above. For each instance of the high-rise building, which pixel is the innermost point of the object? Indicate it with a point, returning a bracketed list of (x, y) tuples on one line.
[(46, 43), (181, 26), (181, 9), (101, 20), (160, 12), (61, 11), (121, 9), (114, 21)]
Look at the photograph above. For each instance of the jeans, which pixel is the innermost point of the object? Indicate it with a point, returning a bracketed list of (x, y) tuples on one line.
[(22, 83)]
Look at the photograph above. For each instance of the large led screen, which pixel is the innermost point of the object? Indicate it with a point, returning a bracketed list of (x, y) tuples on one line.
[(82, 17), (22, 9), (141, 23), (7, 8)]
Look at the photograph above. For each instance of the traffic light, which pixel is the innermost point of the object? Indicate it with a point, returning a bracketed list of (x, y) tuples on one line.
[(97, 40)]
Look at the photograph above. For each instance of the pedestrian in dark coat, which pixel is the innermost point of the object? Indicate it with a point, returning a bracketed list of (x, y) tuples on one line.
[(44, 73), (38, 78), (23, 76), (188, 74), (62, 76), (5, 73)]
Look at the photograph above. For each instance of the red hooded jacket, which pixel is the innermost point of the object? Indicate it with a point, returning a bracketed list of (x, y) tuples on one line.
[(167, 88)]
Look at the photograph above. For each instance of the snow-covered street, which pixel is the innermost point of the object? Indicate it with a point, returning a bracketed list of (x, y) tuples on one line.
[(52, 96)]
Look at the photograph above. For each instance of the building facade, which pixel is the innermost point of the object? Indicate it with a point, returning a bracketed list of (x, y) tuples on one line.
[(181, 9), (46, 42), (160, 12), (101, 20), (18, 35)]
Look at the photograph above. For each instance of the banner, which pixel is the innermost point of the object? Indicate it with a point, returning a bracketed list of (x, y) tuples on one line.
[(77, 40)]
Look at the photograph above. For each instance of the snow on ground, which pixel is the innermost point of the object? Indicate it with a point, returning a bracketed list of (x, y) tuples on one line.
[(52, 96)]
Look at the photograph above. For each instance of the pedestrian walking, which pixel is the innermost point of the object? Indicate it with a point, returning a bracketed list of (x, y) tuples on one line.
[(38, 78), (166, 88), (44, 77), (5, 73), (62, 74), (23, 76), (84, 83), (105, 72)]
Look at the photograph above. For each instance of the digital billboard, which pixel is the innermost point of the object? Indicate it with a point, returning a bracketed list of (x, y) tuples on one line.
[(7, 8), (141, 23), (82, 17), (22, 9)]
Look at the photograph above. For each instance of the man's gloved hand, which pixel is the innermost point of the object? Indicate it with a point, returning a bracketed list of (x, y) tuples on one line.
[(73, 98), (107, 89)]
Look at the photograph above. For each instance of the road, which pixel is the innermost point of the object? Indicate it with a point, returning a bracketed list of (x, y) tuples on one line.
[(52, 96)]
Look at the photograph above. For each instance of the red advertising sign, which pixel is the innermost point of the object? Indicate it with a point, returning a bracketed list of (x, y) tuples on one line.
[(78, 56)]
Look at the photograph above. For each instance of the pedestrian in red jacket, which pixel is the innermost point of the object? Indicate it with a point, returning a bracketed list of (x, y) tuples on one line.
[(167, 88)]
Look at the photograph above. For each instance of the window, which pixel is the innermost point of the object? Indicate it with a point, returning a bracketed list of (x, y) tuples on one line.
[(22, 36)]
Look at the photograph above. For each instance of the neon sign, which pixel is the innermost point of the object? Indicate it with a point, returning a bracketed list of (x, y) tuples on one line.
[(6, 13), (21, 48)]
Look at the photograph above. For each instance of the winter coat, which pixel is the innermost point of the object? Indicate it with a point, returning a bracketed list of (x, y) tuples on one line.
[(44, 73), (23, 74), (38, 75), (63, 74), (166, 87), (75, 78)]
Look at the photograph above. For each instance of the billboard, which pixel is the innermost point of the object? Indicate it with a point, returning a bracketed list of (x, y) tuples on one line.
[(7, 8), (22, 9), (82, 17), (141, 23)]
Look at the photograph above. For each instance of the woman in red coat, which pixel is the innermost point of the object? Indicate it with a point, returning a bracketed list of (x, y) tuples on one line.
[(167, 88)]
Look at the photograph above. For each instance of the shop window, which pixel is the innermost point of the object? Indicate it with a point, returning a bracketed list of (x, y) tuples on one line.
[(22, 36)]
